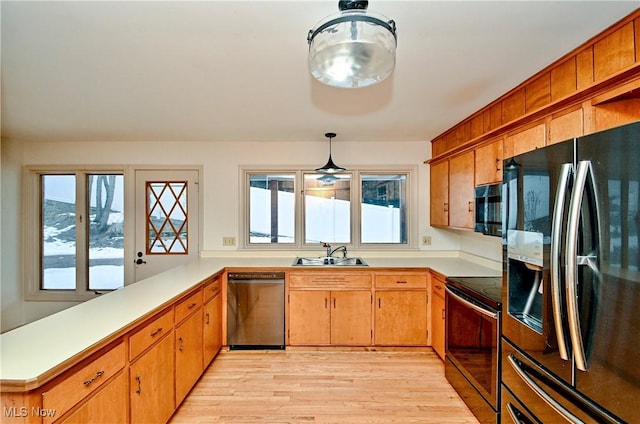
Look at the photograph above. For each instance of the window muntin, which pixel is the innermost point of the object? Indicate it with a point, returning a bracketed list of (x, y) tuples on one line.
[(272, 208), (383, 208), (327, 208), (166, 217), (81, 231)]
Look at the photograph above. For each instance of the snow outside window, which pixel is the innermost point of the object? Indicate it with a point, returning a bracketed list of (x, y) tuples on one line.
[(81, 231)]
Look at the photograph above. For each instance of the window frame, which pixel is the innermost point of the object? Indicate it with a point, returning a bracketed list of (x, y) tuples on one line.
[(32, 207), (411, 172)]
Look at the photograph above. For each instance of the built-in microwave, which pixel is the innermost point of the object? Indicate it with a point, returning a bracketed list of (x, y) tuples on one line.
[(488, 210)]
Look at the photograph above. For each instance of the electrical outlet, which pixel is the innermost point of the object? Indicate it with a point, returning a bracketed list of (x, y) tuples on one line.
[(228, 241), (426, 240)]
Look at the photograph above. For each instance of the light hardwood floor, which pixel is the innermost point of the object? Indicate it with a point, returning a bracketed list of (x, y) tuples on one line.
[(295, 386)]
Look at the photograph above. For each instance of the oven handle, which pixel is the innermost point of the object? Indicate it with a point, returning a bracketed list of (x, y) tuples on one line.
[(471, 305), (543, 395)]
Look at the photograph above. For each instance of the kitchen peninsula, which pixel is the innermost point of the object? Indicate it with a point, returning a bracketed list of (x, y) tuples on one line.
[(64, 362)]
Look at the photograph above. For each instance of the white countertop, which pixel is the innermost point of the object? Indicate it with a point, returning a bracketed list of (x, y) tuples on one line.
[(29, 352)]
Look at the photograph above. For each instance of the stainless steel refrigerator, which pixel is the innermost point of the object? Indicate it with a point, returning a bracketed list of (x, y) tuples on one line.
[(571, 298)]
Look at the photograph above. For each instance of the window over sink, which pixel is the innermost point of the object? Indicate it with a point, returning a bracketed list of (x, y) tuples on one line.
[(362, 208)]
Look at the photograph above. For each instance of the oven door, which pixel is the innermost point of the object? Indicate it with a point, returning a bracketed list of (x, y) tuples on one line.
[(473, 343)]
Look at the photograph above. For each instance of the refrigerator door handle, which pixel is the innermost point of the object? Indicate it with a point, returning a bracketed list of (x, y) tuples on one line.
[(573, 260), (556, 237), (549, 400)]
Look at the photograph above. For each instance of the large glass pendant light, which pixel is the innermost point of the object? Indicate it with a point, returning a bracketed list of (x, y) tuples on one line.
[(330, 167), (353, 48)]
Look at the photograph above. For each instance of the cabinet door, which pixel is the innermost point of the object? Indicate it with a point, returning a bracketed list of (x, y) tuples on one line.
[(439, 194), (188, 355), (108, 406), (437, 327), (525, 140), (309, 317), (462, 190), (351, 318), (212, 329), (151, 384), (401, 318), (488, 163)]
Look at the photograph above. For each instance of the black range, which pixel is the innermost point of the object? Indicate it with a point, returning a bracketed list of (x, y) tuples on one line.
[(487, 290), (472, 343)]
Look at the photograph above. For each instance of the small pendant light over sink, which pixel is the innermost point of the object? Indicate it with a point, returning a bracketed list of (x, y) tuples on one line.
[(353, 48), (330, 167)]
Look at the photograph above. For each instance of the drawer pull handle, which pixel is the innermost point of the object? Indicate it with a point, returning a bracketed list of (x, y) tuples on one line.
[(156, 331), (401, 282), (139, 380), (439, 287), (181, 348), (98, 375), (192, 305), (207, 319)]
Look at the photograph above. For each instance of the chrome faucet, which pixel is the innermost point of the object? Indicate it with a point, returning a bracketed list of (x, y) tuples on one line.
[(331, 252), (328, 247), (344, 251)]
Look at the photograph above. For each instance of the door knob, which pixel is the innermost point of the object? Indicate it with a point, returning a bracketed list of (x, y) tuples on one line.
[(140, 261)]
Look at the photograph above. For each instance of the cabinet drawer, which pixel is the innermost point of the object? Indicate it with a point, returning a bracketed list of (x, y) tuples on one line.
[(401, 281), (185, 307), (83, 382), (437, 287), (211, 289), (330, 280), (150, 333)]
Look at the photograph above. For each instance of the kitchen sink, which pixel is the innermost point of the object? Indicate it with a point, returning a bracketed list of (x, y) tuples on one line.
[(329, 261)]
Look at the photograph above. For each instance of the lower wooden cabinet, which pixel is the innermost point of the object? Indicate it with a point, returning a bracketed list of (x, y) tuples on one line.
[(437, 314), (82, 383), (108, 406), (309, 317), (188, 354), (211, 329), (151, 383), (351, 317), (401, 318), (323, 317)]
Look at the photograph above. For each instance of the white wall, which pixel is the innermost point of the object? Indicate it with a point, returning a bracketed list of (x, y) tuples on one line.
[(221, 163)]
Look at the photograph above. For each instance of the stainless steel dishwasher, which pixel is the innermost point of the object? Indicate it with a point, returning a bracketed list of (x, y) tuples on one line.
[(255, 310)]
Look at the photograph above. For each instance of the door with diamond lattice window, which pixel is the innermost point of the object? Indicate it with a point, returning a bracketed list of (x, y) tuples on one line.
[(166, 220)]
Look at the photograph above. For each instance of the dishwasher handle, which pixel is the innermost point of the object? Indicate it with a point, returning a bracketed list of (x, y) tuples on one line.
[(239, 276)]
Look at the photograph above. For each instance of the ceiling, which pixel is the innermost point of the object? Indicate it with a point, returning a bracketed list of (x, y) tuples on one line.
[(237, 70)]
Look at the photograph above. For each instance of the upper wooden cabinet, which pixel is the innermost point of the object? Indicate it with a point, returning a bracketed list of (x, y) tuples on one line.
[(452, 192), (439, 184), (488, 163), (461, 190), (566, 125), (578, 79), (522, 141)]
